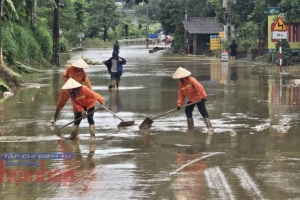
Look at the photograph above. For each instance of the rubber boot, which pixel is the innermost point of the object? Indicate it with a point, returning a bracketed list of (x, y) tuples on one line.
[(209, 126), (112, 85), (117, 84), (74, 132), (190, 122), (54, 118), (92, 131)]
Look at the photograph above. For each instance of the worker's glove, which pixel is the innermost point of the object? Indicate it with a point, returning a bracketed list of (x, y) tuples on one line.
[(178, 108), (83, 114), (101, 107)]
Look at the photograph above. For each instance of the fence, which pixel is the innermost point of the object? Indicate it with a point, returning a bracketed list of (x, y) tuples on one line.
[(138, 41)]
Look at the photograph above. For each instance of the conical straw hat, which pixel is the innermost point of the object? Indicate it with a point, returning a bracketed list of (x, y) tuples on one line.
[(71, 83), (80, 64), (181, 73)]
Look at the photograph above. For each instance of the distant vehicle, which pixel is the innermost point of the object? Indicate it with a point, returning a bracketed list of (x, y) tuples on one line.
[(167, 40), (162, 37), (170, 39)]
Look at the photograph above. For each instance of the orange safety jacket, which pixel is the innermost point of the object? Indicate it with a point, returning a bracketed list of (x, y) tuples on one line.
[(77, 76), (191, 89), (80, 77), (86, 99)]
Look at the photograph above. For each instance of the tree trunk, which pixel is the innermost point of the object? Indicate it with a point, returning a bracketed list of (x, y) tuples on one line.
[(0, 34), (259, 42), (105, 34)]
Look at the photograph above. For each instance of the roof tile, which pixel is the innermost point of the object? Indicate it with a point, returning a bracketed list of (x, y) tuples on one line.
[(202, 25)]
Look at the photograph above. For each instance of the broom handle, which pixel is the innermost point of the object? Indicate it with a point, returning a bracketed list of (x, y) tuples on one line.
[(78, 119), (113, 113), (175, 109)]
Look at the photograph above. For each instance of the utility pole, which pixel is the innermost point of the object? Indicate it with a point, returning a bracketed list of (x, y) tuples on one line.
[(147, 22), (0, 33), (185, 18), (55, 53), (33, 14), (229, 28)]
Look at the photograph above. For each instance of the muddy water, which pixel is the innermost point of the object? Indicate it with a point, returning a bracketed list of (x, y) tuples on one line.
[(252, 154)]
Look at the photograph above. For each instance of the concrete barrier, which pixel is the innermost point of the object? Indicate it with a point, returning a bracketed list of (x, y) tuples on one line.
[(76, 49), (63, 58)]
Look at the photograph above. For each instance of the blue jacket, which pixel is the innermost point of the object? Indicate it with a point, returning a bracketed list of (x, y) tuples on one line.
[(119, 65)]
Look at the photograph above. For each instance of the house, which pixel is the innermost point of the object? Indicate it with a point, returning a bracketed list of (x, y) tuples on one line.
[(198, 31)]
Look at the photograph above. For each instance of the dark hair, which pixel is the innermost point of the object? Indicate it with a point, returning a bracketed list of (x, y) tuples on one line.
[(233, 40), (117, 41)]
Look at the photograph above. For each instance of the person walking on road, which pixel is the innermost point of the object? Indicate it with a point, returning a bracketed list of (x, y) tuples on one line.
[(75, 71), (117, 47), (189, 87), (83, 99), (115, 68), (233, 46)]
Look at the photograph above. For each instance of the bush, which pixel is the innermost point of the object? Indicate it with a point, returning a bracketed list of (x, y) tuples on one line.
[(44, 39), (97, 42), (9, 46), (21, 43), (28, 46), (63, 45)]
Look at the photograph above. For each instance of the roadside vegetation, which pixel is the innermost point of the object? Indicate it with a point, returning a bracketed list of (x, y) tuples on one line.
[(27, 27)]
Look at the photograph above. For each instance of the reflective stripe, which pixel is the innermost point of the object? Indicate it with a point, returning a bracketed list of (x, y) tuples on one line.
[(190, 85), (83, 96)]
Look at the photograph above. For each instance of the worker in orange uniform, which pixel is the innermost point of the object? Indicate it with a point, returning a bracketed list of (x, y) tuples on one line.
[(83, 99), (189, 87), (75, 71)]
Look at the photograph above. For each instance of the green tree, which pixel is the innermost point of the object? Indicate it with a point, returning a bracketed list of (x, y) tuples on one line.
[(153, 10), (259, 18), (204, 8), (292, 10), (240, 11), (79, 10), (171, 15), (102, 17)]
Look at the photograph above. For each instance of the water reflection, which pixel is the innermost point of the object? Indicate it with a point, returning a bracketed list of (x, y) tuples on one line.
[(56, 84), (115, 101), (190, 182), (148, 138)]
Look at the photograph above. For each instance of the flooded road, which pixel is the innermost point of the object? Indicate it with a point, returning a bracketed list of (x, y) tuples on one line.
[(254, 152)]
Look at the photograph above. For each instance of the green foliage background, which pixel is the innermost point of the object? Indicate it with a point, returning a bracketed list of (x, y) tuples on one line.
[(29, 41)]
